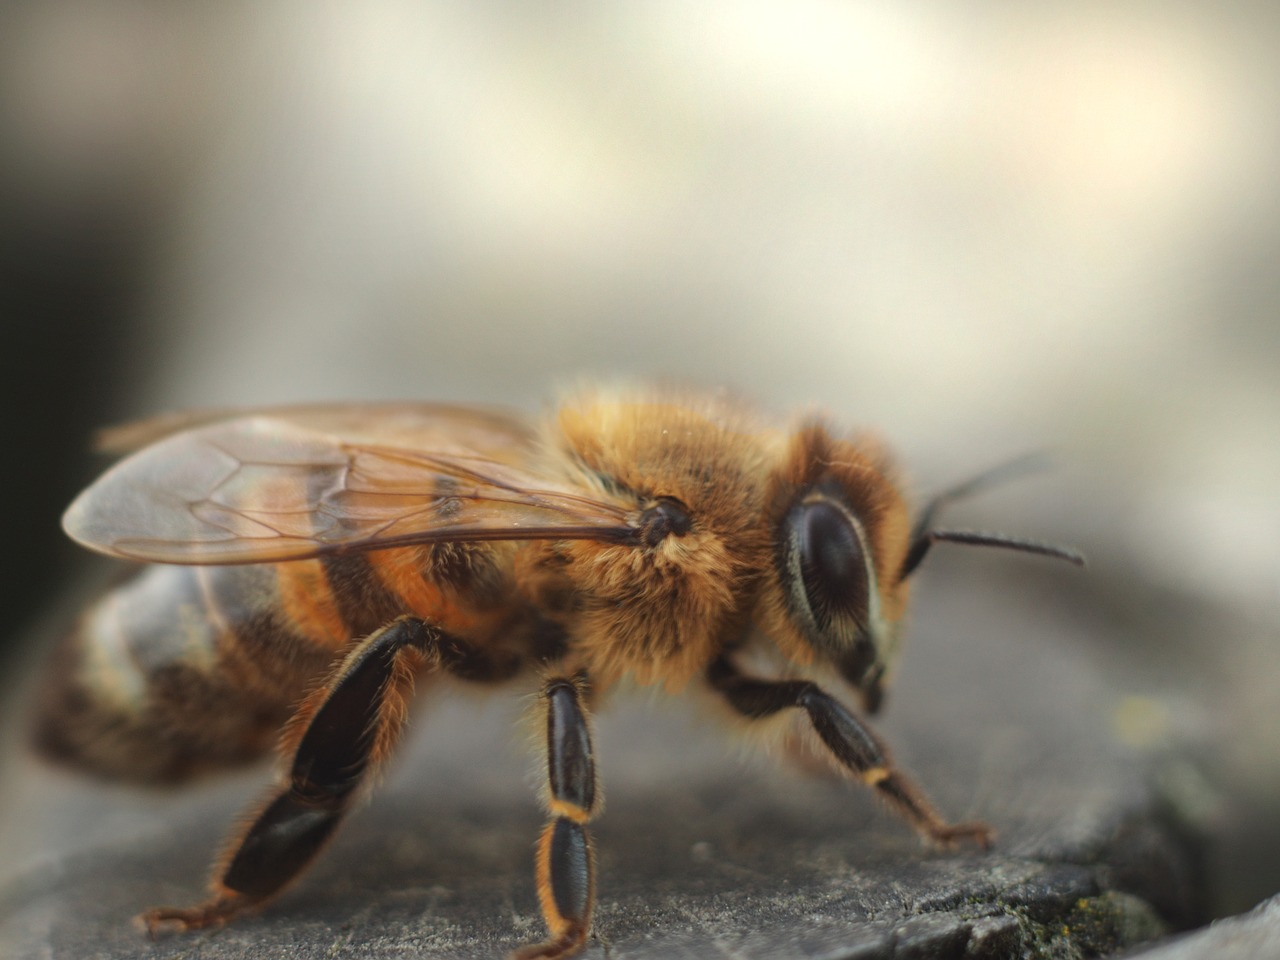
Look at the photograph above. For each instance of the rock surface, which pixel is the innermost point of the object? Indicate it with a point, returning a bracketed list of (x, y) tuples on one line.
[(1003, 710), (1250, 936)]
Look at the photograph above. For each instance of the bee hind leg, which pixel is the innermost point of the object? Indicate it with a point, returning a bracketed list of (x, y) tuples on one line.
[(339, 734), (857, 751)]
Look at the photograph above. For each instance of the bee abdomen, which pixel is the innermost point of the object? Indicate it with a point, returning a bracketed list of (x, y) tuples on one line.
[(180, 670)]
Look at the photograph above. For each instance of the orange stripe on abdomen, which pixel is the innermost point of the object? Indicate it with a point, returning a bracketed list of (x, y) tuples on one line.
[(308, 603), (402, 572)]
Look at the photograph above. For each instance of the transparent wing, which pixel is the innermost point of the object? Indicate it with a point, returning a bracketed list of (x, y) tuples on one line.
[(420, 425), (304, 481)]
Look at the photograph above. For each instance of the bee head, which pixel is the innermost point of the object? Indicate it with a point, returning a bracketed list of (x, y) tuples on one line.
[(844, 548), (841, 534)]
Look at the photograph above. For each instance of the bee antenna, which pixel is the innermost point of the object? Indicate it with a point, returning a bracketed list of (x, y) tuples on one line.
[(923, 536), (920, 546)]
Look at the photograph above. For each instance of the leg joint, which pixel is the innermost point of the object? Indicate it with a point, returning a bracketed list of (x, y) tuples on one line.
[(757, 699)]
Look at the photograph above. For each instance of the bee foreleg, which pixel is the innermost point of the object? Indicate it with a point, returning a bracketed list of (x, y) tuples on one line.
[(566, 858), (338, 735), (857, 750)]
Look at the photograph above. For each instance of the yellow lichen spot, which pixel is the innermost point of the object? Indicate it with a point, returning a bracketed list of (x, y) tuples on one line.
[(1141, 722)]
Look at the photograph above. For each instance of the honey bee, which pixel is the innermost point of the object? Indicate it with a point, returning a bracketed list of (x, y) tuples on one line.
[(309, 565)]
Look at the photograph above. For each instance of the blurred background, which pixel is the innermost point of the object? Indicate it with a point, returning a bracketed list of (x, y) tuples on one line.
[(982, 229)]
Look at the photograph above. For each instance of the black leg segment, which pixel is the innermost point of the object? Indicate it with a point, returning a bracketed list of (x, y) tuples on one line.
[(332, 756), (850, 741), (566, 859), (340, 733), (569, 859), (570, 764), (279, 845)]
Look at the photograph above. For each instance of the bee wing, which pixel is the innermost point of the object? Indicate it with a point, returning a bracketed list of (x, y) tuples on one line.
[(420, 425), (302, 482)]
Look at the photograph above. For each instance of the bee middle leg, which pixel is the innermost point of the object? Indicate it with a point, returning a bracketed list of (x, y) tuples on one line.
[(566, 857), (858, 751), (339, 734)]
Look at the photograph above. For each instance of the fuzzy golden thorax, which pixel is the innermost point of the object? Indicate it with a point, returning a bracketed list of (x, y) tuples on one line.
[(661, 612)]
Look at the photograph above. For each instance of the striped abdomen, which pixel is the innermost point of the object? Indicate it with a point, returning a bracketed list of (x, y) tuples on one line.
[(189, 668)]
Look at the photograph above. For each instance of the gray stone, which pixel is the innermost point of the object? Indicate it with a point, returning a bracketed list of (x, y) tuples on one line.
[(1002, 711), (1251, 936)]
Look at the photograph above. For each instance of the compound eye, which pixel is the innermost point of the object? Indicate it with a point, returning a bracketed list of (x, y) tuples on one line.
[(827, 553)]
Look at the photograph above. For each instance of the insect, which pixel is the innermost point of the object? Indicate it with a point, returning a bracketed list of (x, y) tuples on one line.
[(310, 564)]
